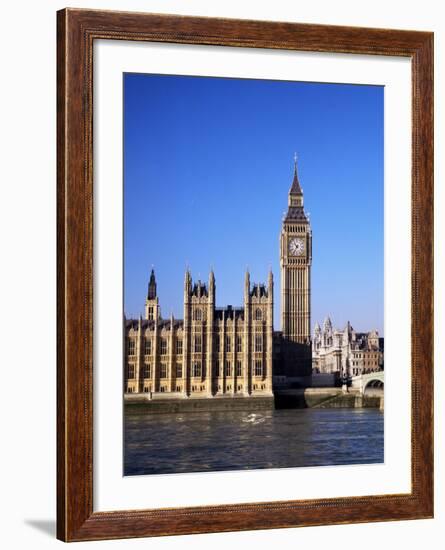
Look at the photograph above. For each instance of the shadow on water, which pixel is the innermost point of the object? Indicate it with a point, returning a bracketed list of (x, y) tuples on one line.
[(239, 440)]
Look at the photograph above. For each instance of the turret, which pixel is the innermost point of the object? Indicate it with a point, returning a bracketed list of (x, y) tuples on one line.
[(246, 286), (317, 329), (152, 309), (270, 295), (210, 332), (327, 325), (317, 337), (327, 331), (212, 286), (270, 283), (187, 283), (151, 294)]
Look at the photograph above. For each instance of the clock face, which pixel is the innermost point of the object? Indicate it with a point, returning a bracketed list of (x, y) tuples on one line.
[(296, 247)]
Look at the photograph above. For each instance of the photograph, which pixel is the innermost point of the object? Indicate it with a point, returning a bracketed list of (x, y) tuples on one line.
[(253, 314), (245, 229)]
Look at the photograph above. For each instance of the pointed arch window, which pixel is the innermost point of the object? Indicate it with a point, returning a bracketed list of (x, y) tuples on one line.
[(258, 368), (197, 314), (198, 344), (228, 368), (131, 347), (196, 369), (147, 370), (258, 342), (179, 346), (239, 344), (228, 344), (239, 368)]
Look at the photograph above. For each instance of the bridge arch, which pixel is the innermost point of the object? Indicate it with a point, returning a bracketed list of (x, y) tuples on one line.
[(374, 386)]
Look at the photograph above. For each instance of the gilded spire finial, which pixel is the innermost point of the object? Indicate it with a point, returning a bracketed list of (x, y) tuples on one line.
[(295, 188)]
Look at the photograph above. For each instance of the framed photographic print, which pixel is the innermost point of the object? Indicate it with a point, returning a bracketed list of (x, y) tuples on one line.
[(245, 229)]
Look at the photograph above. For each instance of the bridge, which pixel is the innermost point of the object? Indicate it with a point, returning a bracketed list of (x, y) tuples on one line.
[(371, 383)]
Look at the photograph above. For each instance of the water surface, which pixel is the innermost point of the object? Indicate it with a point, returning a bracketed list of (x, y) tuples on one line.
[(240, 440)]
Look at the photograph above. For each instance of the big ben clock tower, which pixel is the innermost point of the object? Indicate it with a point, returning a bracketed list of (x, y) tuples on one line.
[(295, 263)]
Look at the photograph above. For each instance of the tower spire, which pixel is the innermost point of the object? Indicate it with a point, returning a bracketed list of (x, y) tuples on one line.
[(296, 187), (187, 278), (247, 283), (212, 285), (151, 294), (152, 310)]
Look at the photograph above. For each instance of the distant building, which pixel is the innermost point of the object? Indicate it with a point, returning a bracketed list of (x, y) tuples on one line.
[(345, 352)]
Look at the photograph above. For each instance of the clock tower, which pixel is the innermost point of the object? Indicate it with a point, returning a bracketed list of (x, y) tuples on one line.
[(295, 263)]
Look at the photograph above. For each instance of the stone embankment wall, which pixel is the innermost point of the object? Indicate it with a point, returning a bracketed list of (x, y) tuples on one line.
[(137, 404), (324, 398)]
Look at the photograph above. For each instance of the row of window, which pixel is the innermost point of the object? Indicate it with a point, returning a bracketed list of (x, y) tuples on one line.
[(239, 388), (197, 345), (147, 389), (257, 368), (356, 372), (197, 369), (198, 388), (148, 347), (147, 372), (296, 228), (197, 314), (369, 363), (228, 368), (257, 343)]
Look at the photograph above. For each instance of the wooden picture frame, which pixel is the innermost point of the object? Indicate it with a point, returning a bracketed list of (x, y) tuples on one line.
[(76, 32)]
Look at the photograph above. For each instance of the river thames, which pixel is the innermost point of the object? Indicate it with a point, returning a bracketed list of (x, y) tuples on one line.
[(239, 440)]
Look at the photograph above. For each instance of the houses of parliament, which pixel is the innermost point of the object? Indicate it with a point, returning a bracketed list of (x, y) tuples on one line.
[(229, 351)]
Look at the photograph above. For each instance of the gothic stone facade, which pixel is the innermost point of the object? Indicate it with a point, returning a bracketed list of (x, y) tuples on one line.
[(345, 352), (211, 352)]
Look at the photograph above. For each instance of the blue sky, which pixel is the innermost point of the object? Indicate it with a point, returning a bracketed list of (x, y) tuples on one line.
[(208, 163)]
